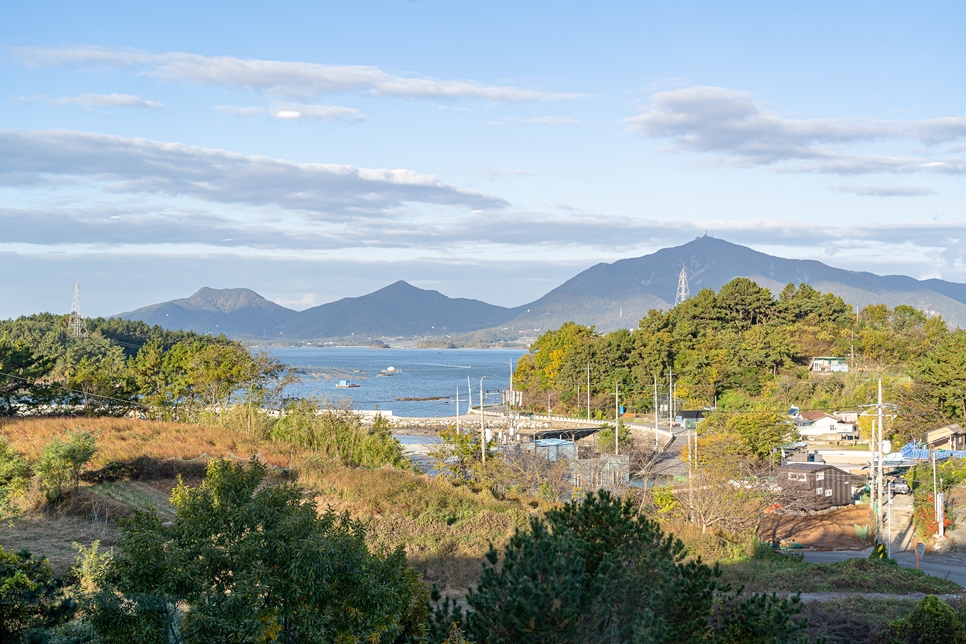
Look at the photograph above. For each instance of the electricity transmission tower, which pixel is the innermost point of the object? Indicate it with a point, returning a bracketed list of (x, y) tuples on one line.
[(683, 292), (75, 324)]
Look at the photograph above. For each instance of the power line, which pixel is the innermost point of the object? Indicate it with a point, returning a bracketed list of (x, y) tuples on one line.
[(75, 391)]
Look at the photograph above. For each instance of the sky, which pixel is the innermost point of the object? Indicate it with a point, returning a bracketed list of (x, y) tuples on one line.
[(315, 150)]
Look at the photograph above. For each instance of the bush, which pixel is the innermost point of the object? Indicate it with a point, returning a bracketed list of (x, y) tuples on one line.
[(931, 621), (251, 561), (29, 595), (605, 438), (598, 571), (14, 477), (339, 436), (61, 463)]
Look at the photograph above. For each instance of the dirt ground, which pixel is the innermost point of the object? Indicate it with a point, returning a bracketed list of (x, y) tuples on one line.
[(835, 530), (93, 515)]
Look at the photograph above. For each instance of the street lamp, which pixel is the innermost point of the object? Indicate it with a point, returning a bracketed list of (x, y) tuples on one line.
[(482, 426)]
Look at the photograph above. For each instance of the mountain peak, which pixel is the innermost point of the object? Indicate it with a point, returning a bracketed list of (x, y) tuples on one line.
[(609, 296), (226, 300)]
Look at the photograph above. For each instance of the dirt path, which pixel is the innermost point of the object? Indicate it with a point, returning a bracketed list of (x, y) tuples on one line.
[(836, 530)]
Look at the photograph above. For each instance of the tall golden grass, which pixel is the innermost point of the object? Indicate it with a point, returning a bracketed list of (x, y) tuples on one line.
[(125, 439), (444, 529)]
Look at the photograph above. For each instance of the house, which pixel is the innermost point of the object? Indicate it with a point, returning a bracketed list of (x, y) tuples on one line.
[(847, 416), (820, 426), (829, 364), (951, 437), (815, 484)]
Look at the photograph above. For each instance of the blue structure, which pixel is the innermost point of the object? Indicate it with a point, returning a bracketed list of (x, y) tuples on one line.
[(915, 452)]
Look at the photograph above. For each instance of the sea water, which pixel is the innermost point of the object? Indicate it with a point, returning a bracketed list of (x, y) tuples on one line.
[(418, 373)]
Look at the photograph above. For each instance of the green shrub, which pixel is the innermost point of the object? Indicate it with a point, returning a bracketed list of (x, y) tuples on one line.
[(339, 436), (931, 621), (61, 463), (14, 477), (250, 561), (605, 438), (29, 595), (598, 571)]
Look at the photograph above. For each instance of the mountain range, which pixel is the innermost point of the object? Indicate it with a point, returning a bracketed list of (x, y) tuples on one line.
[(609, 296)]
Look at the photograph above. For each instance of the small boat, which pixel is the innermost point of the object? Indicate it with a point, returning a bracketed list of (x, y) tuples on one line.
[(345, 384), (389, 371)]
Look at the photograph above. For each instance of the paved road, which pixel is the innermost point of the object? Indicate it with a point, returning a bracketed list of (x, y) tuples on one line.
[(669, 463), (949, 566)]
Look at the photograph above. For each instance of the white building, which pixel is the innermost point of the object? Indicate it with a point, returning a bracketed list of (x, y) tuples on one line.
[(821, 426)]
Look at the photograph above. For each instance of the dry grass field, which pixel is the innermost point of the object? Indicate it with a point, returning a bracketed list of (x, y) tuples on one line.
[(445, 530), (124, 439)]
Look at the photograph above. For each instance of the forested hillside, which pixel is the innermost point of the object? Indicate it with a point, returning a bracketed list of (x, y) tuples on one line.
[(123, 365), (741, 348)]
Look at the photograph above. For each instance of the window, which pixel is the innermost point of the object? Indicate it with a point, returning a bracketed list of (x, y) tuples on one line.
[(796, 476), (820, 476), (818, 490), (828, 492)]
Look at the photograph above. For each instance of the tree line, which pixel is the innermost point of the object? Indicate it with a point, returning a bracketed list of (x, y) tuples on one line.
[(123, 366), (743, 349)]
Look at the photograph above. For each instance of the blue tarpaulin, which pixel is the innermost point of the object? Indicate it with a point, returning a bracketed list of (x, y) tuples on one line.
[(911, 450)]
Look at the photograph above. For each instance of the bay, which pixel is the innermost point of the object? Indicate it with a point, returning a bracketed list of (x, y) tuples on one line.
[(417, 373)]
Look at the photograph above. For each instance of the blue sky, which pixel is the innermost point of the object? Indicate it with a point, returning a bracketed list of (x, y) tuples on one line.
[(312, 151)]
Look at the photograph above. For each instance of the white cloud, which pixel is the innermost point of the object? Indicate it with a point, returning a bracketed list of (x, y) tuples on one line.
[(554, 121), (317, 112), (107, 100), (283, 78), (323, 191), (730, 124), (886, 191)]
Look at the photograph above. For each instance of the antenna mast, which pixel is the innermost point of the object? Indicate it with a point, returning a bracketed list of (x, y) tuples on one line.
[(683, 292), (75, 324)]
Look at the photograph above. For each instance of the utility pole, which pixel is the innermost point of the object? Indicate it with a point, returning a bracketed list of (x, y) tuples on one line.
[(655, 413), (852, 350), (670, 399), (588, 391), (941, 510), (509, 404), (482, 426), (881, 427), (890, 522), (935, 492), (617, 418), (874, 493)]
